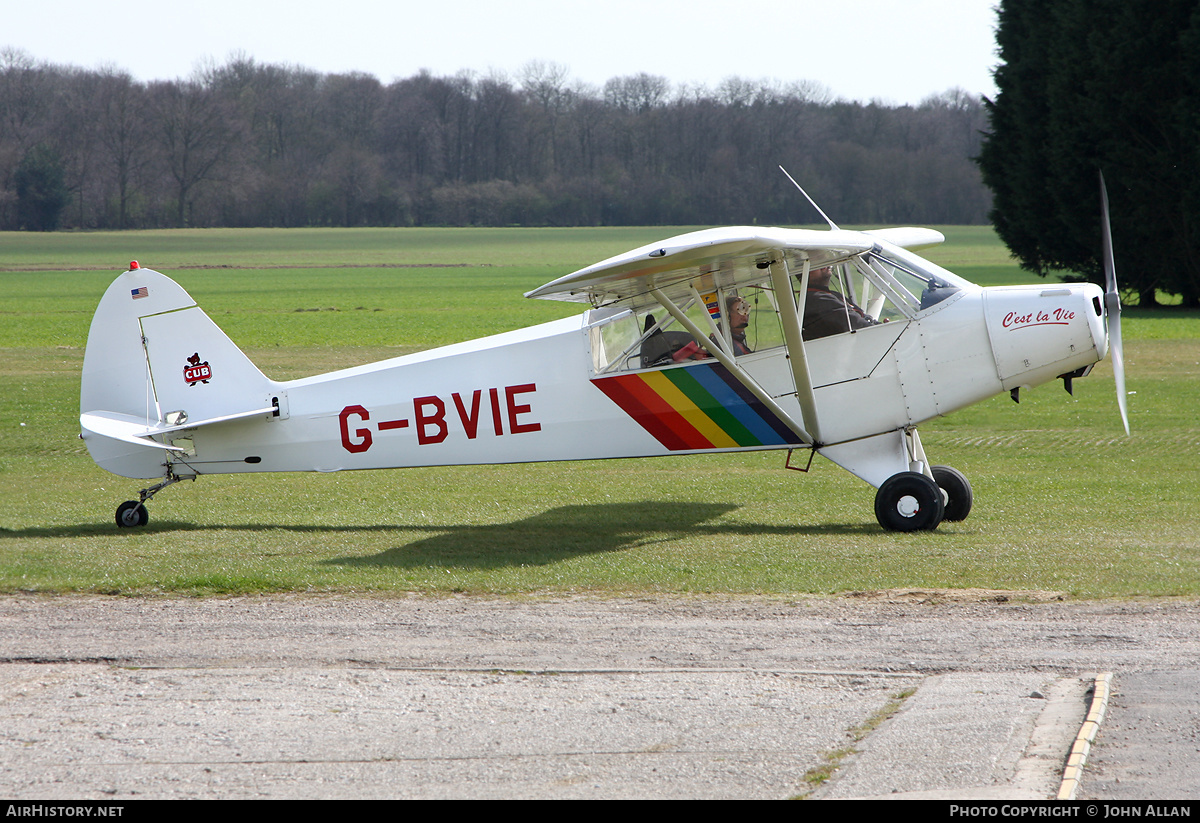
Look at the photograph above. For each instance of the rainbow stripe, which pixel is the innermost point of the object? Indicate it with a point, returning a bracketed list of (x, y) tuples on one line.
[(696, 407)]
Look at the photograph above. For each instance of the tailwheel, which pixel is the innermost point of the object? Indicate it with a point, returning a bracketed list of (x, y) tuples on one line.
[(957, 490), (132, 514), (909, 502)]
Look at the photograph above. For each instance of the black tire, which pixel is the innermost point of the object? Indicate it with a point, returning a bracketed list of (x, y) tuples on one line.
[(958, 492), (132, 514), (909, 502)]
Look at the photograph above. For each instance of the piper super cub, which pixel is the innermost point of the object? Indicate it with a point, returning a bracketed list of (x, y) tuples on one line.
[(730, 339)]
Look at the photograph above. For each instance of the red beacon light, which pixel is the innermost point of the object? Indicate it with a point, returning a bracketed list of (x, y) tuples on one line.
[(133, 264)]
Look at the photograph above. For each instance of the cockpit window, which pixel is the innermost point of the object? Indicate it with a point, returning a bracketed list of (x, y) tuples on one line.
[(879, 286), (740, 321), (925, 283), (851, 295)]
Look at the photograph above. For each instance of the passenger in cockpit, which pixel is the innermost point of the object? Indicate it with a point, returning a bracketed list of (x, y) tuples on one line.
[(739, 320), (828, 312), (738, 312)]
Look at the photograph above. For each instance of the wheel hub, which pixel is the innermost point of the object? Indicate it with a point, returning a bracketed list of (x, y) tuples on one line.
[(907, 506)]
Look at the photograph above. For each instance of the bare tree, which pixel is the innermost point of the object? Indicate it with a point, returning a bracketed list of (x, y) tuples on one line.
[(196, 135), (637, 92), (124, 135), (546, 86), (295, 147)]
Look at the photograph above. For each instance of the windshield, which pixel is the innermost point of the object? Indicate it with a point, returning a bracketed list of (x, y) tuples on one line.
[(921, 267), (921, 284)]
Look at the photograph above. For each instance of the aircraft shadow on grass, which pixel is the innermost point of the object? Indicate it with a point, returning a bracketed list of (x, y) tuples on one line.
[(573, 531), (547, 537)]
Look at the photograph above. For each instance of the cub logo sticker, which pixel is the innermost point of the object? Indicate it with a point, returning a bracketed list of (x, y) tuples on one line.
[(195, 371)]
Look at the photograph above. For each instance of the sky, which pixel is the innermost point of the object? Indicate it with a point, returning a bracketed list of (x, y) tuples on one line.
[(893, 51)]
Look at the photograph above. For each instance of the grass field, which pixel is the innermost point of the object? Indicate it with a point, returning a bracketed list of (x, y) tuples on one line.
[(1064, 501)]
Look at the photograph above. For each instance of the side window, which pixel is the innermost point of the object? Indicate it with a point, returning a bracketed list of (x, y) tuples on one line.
[(852, 295), (741, 321), (763, 329), (614, 337), (854, 287)]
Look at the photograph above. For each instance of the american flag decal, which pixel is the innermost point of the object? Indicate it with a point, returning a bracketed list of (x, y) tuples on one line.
[(142, 292)]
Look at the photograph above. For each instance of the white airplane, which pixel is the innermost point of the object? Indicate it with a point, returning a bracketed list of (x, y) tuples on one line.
[(729, 339)]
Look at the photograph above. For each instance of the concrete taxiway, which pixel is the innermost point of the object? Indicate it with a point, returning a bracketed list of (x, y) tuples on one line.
[(904, 696)]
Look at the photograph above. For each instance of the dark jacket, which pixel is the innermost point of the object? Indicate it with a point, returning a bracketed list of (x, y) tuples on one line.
[(827, 312)]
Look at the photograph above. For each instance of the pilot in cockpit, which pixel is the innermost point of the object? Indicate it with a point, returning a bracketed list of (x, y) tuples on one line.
[(828, 312)]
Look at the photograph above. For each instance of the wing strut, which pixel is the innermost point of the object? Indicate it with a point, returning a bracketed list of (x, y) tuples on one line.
[(789, 314), (737, 371)]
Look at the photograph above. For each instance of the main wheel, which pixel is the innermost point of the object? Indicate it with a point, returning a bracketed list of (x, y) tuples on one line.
[(131, 514), (909, 502), (958, 492)]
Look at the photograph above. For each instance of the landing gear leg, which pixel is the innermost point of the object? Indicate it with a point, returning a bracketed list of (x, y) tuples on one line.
[(132, 513)]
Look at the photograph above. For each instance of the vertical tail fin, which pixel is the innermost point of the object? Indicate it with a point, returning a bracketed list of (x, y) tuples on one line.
[(154, 359)]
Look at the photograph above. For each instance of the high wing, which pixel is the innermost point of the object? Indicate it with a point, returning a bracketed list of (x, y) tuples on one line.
[(722, 257), (675, 272)]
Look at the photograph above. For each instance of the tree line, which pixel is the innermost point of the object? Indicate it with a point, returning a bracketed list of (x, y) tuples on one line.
[(251, 144)]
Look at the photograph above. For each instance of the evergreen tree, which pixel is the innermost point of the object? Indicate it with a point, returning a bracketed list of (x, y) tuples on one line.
[(41, 191), (1088, 85)]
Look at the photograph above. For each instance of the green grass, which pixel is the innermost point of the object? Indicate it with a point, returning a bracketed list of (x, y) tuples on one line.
[(557, 249), (1064, 501)]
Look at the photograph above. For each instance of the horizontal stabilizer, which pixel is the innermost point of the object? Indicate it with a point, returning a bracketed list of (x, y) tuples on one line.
[(123, 427), (130, 429)]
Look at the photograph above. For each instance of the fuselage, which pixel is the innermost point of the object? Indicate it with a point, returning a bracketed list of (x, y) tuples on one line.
[(534, 395)]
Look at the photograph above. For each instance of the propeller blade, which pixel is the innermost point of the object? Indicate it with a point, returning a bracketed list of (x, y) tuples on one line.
[(1110, 267), (1112, 306)]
